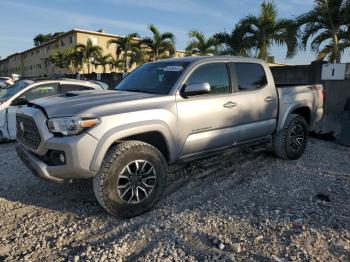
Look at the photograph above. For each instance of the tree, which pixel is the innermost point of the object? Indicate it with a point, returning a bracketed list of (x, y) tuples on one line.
[(137, 56), (259, 33), (89, 51), (116, 64), (124, 47), (160, 45), (43, 38), (199, 44), (327, 27), (231, 44), (58, 59), (75, 58), (103, 61)]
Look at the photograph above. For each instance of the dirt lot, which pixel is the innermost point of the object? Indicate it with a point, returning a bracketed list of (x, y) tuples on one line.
[(233, 207)]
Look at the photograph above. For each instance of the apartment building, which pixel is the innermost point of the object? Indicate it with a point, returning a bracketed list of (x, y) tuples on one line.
[(31, 63)]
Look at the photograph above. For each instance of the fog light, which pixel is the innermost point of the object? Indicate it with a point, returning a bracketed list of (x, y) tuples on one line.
[(57, 157), (62, 158)]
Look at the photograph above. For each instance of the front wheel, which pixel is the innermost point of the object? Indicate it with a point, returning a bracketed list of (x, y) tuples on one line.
[(291, 141), (131, 180)]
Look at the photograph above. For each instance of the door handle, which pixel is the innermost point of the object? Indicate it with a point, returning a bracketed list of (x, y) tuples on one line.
[(230, 104), (269, 99)]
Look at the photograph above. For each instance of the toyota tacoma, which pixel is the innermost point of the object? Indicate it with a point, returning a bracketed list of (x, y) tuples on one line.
[(162, 113)]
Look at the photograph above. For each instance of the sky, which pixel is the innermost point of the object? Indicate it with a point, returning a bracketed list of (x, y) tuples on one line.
[(21, 20)]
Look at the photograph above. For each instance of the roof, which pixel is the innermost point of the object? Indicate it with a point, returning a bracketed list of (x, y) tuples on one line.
[(191, 59)]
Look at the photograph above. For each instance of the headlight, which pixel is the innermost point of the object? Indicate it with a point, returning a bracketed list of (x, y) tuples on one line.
[(69, 126)]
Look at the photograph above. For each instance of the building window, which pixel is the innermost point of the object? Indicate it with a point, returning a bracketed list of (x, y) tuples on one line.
[(71, 39), (62, 43)]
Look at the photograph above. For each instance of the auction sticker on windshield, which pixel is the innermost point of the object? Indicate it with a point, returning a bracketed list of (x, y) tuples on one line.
[(174, 68)]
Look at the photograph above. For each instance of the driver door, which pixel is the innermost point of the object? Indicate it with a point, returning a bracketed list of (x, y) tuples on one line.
[(205, 121), (39, 91)]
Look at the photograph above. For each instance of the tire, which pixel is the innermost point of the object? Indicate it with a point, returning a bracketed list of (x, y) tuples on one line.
[(128, 166), (291, 141)]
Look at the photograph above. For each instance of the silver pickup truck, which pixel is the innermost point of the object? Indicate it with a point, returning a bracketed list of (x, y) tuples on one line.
[(162, 113)]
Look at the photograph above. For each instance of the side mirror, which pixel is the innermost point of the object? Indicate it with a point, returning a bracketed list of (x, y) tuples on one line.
[(19, 101), (197, 89)]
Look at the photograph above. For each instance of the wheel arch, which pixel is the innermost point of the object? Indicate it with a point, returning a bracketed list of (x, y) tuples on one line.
[(303, 109), (155, 134)]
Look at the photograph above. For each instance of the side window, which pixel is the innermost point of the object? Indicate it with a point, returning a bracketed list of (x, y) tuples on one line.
[(215, 74), (41, 91), (250, 76), (69, 87)]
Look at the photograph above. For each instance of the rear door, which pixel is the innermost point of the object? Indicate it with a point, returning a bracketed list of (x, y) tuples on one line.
[(257, 101)]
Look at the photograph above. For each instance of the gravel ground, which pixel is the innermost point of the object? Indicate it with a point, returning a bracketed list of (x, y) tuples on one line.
[(244, 205)]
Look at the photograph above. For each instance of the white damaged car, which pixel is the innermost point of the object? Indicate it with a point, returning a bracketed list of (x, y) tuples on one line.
[(24, 91)]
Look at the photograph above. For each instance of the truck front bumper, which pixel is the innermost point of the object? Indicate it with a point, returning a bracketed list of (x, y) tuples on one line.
[(41, 151), (37, 167), (78, 152)]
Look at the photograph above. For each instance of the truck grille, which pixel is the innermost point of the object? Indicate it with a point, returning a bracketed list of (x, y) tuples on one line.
[(27, 131)]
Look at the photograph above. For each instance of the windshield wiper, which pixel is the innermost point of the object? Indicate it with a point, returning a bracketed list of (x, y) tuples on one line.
[(133, 90)]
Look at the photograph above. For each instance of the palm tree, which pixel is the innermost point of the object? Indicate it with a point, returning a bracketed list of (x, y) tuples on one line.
[(75, 58), (161, 44), (326, 24), (123, 47), (137, 56), (116, 64), (89, 51), (58, 59), (231, 44), (259, 33), (103, 61), (199, 44)]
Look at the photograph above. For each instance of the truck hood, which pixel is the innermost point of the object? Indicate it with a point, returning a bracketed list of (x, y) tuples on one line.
[(80, 102)]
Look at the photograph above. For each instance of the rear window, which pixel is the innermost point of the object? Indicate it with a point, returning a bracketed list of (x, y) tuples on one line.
[(250, 76)]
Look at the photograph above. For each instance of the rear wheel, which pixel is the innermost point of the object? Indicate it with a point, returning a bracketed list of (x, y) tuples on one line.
[(291, 141), (131, 180)]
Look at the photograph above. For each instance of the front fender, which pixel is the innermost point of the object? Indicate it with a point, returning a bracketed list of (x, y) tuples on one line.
[(120, 132)]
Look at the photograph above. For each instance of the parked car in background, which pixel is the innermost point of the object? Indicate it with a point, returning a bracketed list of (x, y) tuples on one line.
[(5, 82), (102, 84), (161, 113), (24, 91)]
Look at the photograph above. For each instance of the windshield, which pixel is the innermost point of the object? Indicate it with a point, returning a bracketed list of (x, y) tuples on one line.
[(153, 78), (6, 94)]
